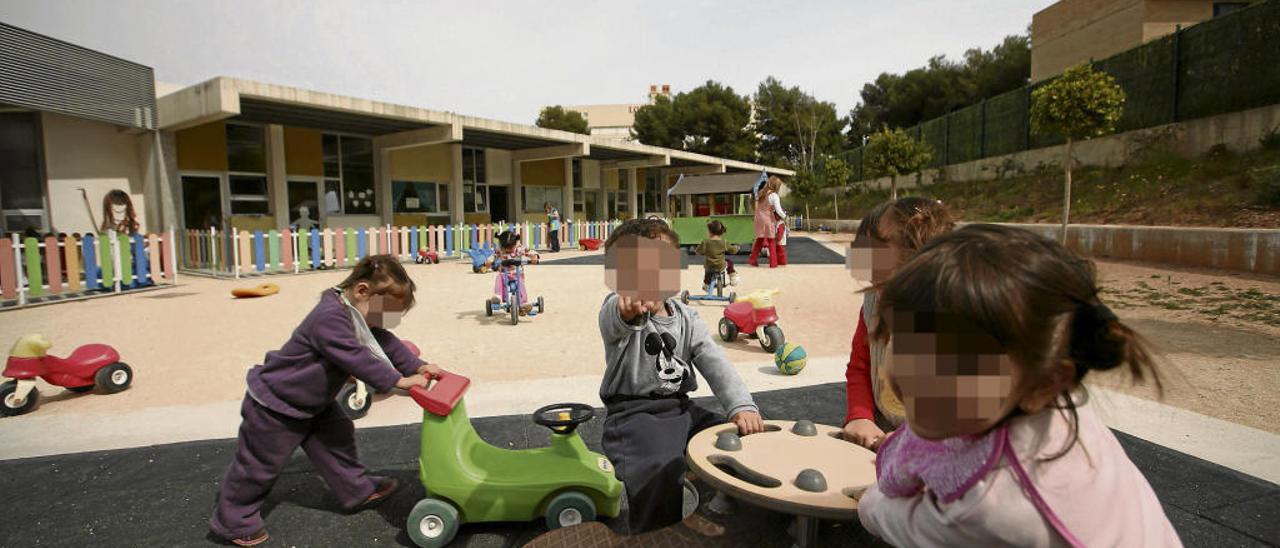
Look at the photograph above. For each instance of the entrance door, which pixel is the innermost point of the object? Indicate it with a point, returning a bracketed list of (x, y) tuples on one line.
[(590, 199), (202, 202), (304, 204), (498, 203)]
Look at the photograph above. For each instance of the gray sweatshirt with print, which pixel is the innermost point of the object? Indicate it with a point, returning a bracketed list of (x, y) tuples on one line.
[(657, 355)]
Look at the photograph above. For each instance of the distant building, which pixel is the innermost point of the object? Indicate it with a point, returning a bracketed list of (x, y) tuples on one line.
[(614, 121), (1073, 31)]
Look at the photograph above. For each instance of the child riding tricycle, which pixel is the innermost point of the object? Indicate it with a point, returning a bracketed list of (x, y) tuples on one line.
[(509, 288), (468, 480)]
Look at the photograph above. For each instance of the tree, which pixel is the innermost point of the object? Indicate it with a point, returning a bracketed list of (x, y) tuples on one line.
[(891, 152), (795, 129), (1080, 104), (556, 117), (939, 87), (656, 124), (710, 119), (716, 121)]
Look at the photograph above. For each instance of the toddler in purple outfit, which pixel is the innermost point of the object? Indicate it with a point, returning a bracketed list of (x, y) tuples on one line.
[(290, 398)]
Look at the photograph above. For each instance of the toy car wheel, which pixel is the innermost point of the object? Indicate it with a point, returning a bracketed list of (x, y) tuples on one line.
[(435, 259), (568, 509), (433, 523), (733, 297), (352, 404), (79, 389), (728, 330), (771, 338), (488, 307), (542, 305), (113, 378), (684, 296), (10, 405)]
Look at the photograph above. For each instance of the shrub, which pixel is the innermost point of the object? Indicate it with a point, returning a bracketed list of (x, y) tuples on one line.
[(1271, 141), (1267, 189)]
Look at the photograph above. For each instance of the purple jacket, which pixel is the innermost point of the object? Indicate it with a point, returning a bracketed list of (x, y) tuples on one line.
[(304, 376)]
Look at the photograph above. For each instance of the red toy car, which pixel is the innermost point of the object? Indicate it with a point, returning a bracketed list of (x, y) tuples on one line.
[(88, 367), (755, 316), (426, 257)]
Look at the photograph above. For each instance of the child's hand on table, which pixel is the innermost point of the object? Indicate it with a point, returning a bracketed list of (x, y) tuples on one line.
[(864, 432), (412, 381), (748, 422)]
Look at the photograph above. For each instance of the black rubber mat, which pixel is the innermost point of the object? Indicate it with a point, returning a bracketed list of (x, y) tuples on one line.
[(800, 250), (162, 495)]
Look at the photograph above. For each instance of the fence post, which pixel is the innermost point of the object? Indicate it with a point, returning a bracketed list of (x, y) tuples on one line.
[(1177, 49), (235, 248), (17, 267), (115, 261), (982, 133), (172, 263)]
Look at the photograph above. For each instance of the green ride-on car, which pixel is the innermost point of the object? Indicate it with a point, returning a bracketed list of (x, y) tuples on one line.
[(468, 481)]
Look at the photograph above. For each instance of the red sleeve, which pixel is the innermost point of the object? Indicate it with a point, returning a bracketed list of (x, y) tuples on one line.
[(860, 401)]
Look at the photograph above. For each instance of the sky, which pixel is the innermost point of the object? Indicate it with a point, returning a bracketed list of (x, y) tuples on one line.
[(506, 60)]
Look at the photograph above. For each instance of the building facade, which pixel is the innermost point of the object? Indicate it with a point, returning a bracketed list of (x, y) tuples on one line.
[(615, 121), (1070, 32)]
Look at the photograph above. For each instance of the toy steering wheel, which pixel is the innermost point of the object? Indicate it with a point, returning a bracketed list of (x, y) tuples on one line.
[(563, 418)]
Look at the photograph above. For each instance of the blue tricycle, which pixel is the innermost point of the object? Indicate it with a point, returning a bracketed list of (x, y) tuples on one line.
[(715, 292), (512, 303)]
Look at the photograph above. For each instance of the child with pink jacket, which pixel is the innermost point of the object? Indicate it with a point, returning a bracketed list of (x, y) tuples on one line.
[(991, 331)]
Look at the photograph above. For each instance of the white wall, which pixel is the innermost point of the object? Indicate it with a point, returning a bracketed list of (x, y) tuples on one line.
[(96, 156)]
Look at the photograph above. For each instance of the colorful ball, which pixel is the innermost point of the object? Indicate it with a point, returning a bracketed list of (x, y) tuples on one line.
[(790, 359)]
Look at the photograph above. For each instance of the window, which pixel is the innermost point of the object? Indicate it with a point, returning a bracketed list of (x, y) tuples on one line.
[(247, 169), (1223, 8), (475, 198), (348, 172), (419, 197), (535, 196), (21, 183), (651, 199), (249, 194), (475, 193), (616, 204), (579, 199)]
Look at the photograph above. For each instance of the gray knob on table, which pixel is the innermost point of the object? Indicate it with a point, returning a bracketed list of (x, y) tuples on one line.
[(811, 480), (728, 441), (804, 428)]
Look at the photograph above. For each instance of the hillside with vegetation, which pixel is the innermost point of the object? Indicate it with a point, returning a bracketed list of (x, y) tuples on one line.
[(1220, 188)]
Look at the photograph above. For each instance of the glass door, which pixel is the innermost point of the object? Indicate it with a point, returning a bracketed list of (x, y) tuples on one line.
[(202, 202), (305, 212)]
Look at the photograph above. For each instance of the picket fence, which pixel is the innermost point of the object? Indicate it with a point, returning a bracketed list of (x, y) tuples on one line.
[(34, 270), (242, 252)]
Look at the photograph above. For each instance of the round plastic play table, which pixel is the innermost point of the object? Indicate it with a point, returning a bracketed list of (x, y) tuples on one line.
[(797, 468)]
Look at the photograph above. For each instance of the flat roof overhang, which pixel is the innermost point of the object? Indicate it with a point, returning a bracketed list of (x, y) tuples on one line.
[(399, 126)]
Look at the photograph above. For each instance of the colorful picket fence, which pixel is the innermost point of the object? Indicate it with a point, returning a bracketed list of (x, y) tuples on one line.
[(36, 270), (287, 251)]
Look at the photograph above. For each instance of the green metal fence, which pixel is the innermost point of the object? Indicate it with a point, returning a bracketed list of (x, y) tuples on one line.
[(1223, 65)]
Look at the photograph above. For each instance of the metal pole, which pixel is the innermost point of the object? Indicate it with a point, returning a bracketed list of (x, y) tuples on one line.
[(17, 264)]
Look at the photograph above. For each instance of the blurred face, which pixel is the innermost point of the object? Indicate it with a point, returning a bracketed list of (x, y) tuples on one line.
[(385, 311), (870, 259), (643, 268), (952, 377)]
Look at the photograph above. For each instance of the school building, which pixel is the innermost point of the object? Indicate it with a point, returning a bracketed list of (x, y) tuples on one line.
[(234, 153)]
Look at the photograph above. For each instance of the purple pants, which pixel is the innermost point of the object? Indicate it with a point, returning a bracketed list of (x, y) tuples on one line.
[(500, 286), (267, 440)]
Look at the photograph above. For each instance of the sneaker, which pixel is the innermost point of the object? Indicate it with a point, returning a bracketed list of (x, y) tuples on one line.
[(386, 486), (252, 540), (733, 279)]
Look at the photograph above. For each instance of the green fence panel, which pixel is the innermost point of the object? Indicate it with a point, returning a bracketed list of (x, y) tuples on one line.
[(1230, 63), (304, 249), (352, 246), (126, 259), (1006, 123), (934, 134), (273, 251), (35, 275), (964, 135), (1146, 75), (104, 258)]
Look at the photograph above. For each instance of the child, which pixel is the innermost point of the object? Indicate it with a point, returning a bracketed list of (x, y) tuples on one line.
[(290, 400), (888, 235), (714, 249), (509, 247), (650, 342), (993, 329)]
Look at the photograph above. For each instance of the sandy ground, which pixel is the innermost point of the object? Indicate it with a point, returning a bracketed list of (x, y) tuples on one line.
[(191, 345)]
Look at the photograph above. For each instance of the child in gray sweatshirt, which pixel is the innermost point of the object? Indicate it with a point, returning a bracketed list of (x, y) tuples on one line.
[(653, 348)]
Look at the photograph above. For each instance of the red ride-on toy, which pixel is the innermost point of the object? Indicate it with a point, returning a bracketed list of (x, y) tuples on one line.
[(755, 316), (88, 367)]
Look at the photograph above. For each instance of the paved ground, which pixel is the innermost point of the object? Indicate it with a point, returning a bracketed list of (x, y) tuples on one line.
[(162, 495), (800, 250)]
